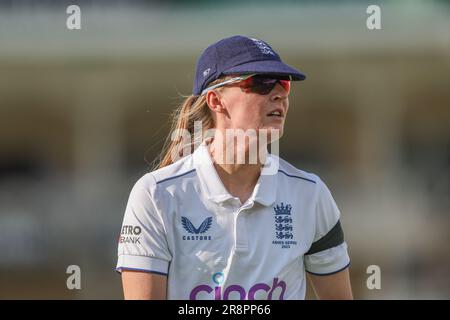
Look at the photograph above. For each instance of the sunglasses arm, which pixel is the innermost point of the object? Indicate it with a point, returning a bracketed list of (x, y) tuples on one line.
[(225, 83)]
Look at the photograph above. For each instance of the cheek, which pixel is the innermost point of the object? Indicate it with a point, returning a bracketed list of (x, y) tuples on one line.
[(246, 117), (255, 113), (245, 111)]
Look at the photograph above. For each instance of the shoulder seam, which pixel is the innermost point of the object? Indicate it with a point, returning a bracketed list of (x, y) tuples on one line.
[(174, 177), (298, 177)]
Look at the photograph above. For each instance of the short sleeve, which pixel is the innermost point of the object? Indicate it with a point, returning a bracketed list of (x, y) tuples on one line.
[(142, 241), (328, 252)]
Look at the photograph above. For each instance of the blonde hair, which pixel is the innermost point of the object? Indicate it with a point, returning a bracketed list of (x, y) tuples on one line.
[(193, 108)]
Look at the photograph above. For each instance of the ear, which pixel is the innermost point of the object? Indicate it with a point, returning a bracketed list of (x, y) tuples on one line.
[(214, 101)]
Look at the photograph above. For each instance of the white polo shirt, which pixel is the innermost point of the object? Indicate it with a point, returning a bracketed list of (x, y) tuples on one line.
[(180, 221)]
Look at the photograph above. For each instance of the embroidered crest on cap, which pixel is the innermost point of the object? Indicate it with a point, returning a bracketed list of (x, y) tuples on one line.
[(206, 72), (264, 47)]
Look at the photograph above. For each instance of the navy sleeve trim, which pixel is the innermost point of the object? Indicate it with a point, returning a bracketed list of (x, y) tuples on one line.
[(333, 238), (143, 270), (329, 274)]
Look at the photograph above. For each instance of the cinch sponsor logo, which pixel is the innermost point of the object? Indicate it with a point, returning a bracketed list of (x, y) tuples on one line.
[(236, 292)]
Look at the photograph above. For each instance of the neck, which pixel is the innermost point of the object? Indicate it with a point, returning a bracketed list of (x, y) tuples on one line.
[(238, 178)]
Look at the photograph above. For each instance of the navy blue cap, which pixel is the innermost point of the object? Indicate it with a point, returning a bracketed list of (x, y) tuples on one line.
[(239, 55)]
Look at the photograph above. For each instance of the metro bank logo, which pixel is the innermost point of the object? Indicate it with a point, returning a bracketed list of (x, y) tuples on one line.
[(232, 292)]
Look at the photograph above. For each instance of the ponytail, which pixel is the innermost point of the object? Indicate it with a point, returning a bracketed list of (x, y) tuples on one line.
[(193, 108)]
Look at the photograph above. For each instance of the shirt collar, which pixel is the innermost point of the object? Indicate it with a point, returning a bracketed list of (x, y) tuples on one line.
[(264, 192)]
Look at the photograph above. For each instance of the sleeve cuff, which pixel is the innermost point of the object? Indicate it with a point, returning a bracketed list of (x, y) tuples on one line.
[(142, 263), (328, 261)]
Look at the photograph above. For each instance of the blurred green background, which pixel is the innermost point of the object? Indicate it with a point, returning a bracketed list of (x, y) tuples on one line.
[(83, 113)]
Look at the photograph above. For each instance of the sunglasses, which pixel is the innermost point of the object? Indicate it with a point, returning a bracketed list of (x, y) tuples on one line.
[(259, 83)]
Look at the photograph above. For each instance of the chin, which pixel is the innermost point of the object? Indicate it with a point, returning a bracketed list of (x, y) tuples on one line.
[(272, 133)]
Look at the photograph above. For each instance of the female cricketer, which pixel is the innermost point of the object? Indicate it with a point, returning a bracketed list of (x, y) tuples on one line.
[(211, 222)]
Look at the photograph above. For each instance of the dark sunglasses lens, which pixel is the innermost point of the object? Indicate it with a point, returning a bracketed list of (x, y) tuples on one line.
[(286, 84), (263, 85)]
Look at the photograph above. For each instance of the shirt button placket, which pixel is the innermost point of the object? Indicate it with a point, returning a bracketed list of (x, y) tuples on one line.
[(241, 239)]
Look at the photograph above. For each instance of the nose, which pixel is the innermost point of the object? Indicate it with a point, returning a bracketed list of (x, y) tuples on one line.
[(279, 93)]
